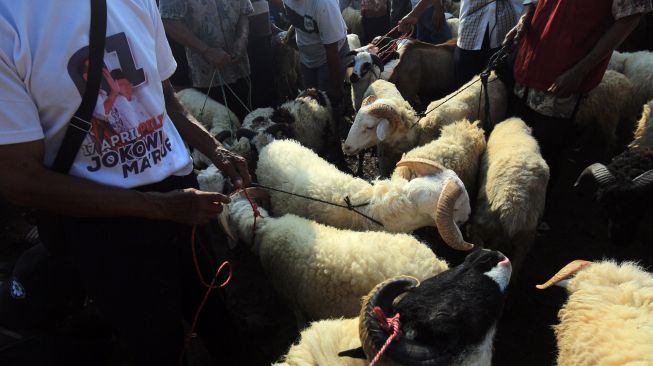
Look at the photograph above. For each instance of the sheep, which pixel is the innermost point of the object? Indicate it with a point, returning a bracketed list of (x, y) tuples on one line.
[(464, 304), (353, 21), (315, 267), (608, 105), (215, 117), (644, 133), (424, 70), (608, 318), (308, 118), (512, 191), (458, 148), (353, 41), (436, 198), (638, 67), (211, 179), (397, 131), (454, 24), (624, 188), (367, 68)]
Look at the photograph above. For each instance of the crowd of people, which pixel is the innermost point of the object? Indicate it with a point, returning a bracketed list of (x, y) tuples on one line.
[(129, 200)]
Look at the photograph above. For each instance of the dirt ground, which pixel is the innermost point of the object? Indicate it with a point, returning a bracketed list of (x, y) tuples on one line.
[(578, 230)]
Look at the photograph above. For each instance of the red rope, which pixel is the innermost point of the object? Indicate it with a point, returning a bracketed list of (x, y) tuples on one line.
[(390, 325), (209, 287)]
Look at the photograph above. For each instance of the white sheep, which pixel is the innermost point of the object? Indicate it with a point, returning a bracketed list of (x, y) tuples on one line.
[(221, 122), (644, 133), (454, 24), (512, 187), (608, 318), (397, 131), (366, 69), (609, 104), (436, 198), (458, 148), (638, 67), (322, 272), (211, 179)]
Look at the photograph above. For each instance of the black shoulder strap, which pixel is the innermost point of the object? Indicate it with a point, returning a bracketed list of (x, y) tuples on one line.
[(80, 123)]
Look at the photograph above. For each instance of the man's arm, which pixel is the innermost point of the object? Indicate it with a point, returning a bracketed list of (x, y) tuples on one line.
[(195, 134), (178, 31), (407, 22), (335, 67), (523, 23), (569, 81), (26, 182)]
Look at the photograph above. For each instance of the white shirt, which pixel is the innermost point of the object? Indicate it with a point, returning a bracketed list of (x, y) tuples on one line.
[(43, 48), (478, 16)]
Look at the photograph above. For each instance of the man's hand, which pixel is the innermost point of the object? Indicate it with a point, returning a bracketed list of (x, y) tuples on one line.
[(407, 23), (233, 165), (217, 57), (187, 206), (515, 33), (567, 83)]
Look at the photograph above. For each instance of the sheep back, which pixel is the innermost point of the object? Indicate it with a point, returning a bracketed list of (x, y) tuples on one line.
[(324, 272), (320, 344), (608, 318), (459, 148), (464, 104), (607, 105), (512, 187), (644, 132), (287, 165), (214, 116)]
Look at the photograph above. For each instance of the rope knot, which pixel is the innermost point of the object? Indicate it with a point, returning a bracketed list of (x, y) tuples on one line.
[(391, 326)]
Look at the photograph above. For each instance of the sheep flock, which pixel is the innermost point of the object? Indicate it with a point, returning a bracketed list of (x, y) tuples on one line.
[(440, 183)]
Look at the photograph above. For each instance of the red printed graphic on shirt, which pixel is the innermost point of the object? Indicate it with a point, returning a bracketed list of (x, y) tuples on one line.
[(123, 133)]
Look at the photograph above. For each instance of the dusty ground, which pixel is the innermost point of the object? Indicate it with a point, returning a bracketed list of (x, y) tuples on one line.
[(577, 230)]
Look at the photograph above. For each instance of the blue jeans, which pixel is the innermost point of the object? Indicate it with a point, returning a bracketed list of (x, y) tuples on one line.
[(426, 33)]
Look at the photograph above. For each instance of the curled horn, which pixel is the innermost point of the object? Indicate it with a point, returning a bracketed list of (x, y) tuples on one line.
[(644, 180), (566, 272), (377, 61), (371, 332), (369, 100), (444, 217), (596, 173), (417, 167), (384, 111)]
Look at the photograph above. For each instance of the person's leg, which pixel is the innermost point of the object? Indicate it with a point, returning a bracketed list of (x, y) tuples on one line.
[(259, 49), (309, 77), (469, 63), (131, 268)]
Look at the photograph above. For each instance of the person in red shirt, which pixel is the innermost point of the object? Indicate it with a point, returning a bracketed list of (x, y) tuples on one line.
[(563, 51)]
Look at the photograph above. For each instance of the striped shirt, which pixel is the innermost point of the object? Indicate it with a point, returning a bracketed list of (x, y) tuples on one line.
[(477, 16)]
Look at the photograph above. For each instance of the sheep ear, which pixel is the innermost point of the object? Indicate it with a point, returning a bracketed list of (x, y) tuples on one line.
[(382, 129), (223, 221), (369, 100)]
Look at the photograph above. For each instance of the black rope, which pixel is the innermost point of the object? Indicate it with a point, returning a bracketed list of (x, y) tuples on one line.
[(348, 205)]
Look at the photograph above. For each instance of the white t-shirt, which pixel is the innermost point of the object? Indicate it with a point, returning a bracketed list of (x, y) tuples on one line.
[(317, 22), (43, 53)]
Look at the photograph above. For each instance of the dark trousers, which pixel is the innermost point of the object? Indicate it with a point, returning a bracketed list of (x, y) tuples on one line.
[(468, 64), (240, 87), (375, 26), (141, 275), (259, 50)]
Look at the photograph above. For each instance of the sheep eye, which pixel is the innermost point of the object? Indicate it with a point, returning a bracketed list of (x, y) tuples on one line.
[(369, 128)]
